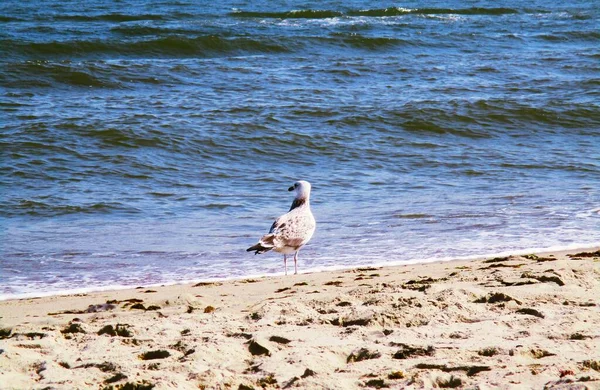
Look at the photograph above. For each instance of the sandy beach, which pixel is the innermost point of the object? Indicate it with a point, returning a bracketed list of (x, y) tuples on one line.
[(517, 322)]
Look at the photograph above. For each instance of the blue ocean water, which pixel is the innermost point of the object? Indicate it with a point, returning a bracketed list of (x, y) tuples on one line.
[(149, 142)]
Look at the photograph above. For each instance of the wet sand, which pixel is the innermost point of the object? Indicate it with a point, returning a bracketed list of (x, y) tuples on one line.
[(518, 322)]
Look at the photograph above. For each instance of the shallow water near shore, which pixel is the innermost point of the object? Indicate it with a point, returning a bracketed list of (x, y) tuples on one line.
[(153, 142)]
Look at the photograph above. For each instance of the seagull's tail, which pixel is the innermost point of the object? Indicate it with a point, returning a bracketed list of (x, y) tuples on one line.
[(265, 244)]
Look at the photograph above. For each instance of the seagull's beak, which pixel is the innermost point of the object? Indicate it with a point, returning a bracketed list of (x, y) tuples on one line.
[(291, 188)]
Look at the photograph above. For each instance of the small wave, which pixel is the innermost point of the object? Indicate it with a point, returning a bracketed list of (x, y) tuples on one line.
[(79, 78), (425, 120), (552, 37), (433, 11), (382, 12), (70, 253), (178, 45), (465, 11), (585, 35), (378, 12), (141, 30), (296, 14), (580, 16), (507, 112), (13, 270), (43, 29), (174, 45), (589, 213), (115, 17), (219, 206), (412, 216), (161, 194), (550, 166), (124, 136), (4, 18), (39, 208), (593, 36), (47, 73), (372, 43)]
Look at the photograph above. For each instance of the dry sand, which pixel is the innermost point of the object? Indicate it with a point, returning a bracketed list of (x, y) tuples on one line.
[(519, 322)]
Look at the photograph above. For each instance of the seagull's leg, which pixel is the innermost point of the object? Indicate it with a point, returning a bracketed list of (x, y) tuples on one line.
[(285, 263), (296, 263)]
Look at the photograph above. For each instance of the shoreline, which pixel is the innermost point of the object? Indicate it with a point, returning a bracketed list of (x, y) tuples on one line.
[(91, 290), (520, 321)]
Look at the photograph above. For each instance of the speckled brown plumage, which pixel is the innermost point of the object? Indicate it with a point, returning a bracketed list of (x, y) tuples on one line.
[(291, 231)]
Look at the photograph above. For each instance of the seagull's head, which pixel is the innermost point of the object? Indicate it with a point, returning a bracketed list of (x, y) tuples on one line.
[(301, 189)]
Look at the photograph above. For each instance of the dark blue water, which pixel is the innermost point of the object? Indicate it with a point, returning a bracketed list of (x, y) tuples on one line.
[(153, 141)]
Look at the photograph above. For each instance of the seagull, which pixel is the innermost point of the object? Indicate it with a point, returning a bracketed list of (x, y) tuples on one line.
[(292, 230)]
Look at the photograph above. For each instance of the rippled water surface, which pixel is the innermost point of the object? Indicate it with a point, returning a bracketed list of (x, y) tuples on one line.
[(153, 141)]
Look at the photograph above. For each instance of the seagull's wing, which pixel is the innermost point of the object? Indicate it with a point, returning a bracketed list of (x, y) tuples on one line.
[(290, 232), (278, 225), (268, 241)]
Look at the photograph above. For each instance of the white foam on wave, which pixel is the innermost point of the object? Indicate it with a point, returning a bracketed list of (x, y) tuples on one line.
[(325, 268), (588, 213)]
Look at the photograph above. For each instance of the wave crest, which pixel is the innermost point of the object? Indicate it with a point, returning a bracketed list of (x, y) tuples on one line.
[(377, 12)]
